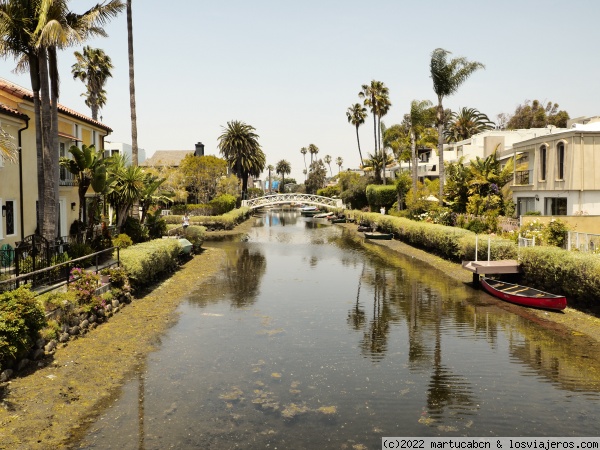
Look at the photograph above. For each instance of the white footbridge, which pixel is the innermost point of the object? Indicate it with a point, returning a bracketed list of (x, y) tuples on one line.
[(305, 199)]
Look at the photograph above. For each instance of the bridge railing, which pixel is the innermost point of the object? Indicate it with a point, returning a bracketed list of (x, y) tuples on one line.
[(310, 199)]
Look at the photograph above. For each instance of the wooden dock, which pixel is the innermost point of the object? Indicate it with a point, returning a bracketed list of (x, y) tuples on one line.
[(491, 267)]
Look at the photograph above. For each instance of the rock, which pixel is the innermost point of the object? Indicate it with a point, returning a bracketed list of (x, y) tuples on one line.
[(108, 308), (116, 310), (84, 324), (40, 343), (22, 364), (5, 375), (38, 354), (64, 337), (115, 303), (93, 325), (92, 318), (73, 331), (50, 346)]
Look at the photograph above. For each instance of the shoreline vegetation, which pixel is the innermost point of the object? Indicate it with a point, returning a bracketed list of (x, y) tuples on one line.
[(53, 406)]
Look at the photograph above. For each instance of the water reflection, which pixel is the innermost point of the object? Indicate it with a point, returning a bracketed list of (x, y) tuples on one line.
[(308, 341)]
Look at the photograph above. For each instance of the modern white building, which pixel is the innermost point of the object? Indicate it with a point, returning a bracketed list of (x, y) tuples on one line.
[(113, 148)]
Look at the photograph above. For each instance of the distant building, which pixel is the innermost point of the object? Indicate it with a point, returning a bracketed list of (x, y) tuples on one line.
[(120, 148), (172, 158)]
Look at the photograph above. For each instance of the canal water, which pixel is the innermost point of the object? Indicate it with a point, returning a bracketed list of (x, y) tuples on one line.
[(314, 339)]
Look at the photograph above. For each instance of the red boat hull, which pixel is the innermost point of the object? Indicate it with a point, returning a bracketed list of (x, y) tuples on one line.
[(523, 295)]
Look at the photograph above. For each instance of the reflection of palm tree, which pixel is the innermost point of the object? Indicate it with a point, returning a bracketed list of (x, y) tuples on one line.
[(356, 316), (374, 340), (245, 275)]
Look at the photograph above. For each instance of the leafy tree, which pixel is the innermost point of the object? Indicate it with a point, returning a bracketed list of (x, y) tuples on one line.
[(356, 115), (93, 68), (418, 118), (202, 174), (466, 123), (283, 168), (152, 195), (229, 185), (403, 185), (353, 189), (457, 185), (239, 145), (447, 77), (316, 177), (536, 115)]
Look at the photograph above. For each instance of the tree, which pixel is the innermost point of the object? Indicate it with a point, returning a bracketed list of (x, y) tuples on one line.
[(202, 174), (270, 168), (132, 102), (283, 168), (239, 146), (376, 97), (356, 115), (418, 118), (8, 149), (466, 123), (316, 177), (304, 151), (127, 186), (327, 160), (339, 161), (89, 169), (93, 68), (152, 194), (313, 150), (447, 77), (535, 115)]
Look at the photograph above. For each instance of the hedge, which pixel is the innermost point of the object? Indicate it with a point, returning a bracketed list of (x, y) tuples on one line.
[(227, 221), (146, 261)]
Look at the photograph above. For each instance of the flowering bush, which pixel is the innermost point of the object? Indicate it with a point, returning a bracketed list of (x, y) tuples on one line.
[(84, 285)]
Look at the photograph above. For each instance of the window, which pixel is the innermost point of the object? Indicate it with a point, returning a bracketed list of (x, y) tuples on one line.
[(10, 217), (556, 206), (525, 205), (543, 163), (560, 160)]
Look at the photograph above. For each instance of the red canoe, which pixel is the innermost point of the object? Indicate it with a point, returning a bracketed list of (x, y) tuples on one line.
[(523, 295)]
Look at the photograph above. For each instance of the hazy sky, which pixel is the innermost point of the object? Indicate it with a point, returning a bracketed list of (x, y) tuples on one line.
[(291, 69)]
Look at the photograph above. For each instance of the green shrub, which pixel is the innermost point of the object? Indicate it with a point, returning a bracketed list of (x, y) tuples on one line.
[(226, 221), (157, 226), (134, 229), (330, 191), (145, 262), (381, 196), (555, 233), (21, 319), (223, 203), (84, 284), (117, 275), (191, 209), (77, 250), (195, 234), (122, 241)]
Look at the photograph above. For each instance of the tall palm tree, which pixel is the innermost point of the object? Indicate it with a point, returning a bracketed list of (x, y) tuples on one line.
[(356, 115), (447, 77), (93, 68), (327, 160), (304, 151), (132, 105), (313, 150), (283, 168), (416, 119), (270, 168), (339, 161), (376, 97), (465, 123), (239, 146)]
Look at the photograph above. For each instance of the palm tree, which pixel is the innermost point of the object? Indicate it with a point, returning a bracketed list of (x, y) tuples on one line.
[(270, 168), (89, 169), (376, 97), (93, 68), (339, 161), (313, 150), (447, 77), (304, 151), (127, 186), (283, 167), (327, 160), (417, 120), (8, 149), (239, 146), (356, 115), (466, 123), (132, 106)]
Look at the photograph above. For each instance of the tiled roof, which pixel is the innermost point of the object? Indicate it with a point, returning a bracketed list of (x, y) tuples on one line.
[(26, 94), (171, 158), (12, 112)]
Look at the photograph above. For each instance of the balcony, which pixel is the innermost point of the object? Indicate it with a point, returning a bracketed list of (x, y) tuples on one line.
[(523, 177), (66, 178)]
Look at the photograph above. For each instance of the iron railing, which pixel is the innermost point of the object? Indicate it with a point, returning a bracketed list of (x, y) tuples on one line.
[(523, 177)]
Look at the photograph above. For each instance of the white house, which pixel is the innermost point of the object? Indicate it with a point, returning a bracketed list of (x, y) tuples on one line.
[(113, 148)]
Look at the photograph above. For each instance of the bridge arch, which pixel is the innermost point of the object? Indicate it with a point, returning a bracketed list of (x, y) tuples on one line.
[(307, 199)]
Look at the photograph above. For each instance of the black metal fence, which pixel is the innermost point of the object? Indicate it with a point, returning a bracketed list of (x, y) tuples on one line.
[(52, 276)]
